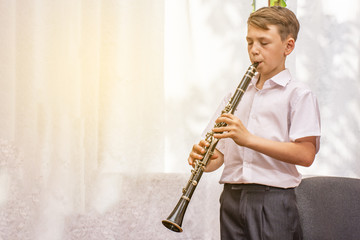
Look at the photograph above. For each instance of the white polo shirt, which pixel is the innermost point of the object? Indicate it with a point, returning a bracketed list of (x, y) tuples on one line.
[(284, 110)]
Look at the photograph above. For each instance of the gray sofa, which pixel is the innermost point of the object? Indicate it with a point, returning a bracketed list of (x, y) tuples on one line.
[(329, 208)]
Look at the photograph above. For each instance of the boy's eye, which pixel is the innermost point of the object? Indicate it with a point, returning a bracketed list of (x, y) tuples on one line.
[(264, 43)]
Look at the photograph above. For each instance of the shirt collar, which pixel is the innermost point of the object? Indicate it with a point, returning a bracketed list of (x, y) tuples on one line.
[(281, 79)]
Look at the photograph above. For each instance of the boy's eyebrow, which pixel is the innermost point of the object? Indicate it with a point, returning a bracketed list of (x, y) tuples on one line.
[(260, 38)]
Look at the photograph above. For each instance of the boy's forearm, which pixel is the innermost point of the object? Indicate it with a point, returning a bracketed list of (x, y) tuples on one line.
[(301, 152)]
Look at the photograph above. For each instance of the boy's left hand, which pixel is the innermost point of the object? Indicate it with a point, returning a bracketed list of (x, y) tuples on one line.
[(235, 129)]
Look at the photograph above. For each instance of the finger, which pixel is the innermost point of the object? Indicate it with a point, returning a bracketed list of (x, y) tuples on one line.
[(198, 149), (195, 156), (221, 129), (222, 135), (228, 115), (204, 143), (191, 161), (224, 119)]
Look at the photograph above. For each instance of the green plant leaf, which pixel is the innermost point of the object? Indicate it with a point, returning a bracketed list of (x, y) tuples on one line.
[(281, 3)]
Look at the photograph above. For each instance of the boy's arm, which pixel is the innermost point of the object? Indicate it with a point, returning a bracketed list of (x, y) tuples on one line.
[(301, 152)]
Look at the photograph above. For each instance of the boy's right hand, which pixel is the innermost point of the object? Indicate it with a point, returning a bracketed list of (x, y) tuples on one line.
[(198, 151)]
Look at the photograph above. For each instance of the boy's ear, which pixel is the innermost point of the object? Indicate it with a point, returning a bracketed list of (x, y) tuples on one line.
[(290, 45)]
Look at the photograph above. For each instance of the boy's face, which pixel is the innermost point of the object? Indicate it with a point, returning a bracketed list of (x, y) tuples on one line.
[(267, 48)]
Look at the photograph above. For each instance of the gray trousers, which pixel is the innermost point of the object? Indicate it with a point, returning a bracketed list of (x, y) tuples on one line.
[(258, 212)]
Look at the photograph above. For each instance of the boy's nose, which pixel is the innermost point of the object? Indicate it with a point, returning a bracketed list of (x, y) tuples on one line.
[(254, 50)]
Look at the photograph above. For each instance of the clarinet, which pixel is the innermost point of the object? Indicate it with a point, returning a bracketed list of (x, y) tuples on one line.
[(174, 221)]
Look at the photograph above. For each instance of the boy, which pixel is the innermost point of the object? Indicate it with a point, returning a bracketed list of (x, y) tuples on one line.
[(276, 127)]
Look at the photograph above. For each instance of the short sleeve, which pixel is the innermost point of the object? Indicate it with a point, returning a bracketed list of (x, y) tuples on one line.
[(305, 118)]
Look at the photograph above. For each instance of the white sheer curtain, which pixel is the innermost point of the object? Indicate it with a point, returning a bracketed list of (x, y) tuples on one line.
[(328, 59), (100, 102), (81, 104)]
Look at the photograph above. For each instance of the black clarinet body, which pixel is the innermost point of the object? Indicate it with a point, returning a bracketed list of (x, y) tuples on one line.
[(175, 219)]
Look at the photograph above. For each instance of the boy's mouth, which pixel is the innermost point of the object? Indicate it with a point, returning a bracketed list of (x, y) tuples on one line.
[(258, 63)]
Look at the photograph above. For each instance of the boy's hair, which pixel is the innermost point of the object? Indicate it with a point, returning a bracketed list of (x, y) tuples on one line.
[(283, 18)]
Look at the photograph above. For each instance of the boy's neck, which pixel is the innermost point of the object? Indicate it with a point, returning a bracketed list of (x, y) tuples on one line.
[(260, 82)]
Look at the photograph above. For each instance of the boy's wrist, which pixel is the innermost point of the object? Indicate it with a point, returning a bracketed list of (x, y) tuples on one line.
[(251, 141)]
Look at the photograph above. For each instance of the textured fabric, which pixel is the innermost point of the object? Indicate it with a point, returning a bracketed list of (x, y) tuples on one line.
[(284, 110), (256, 212), (329, 208)]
